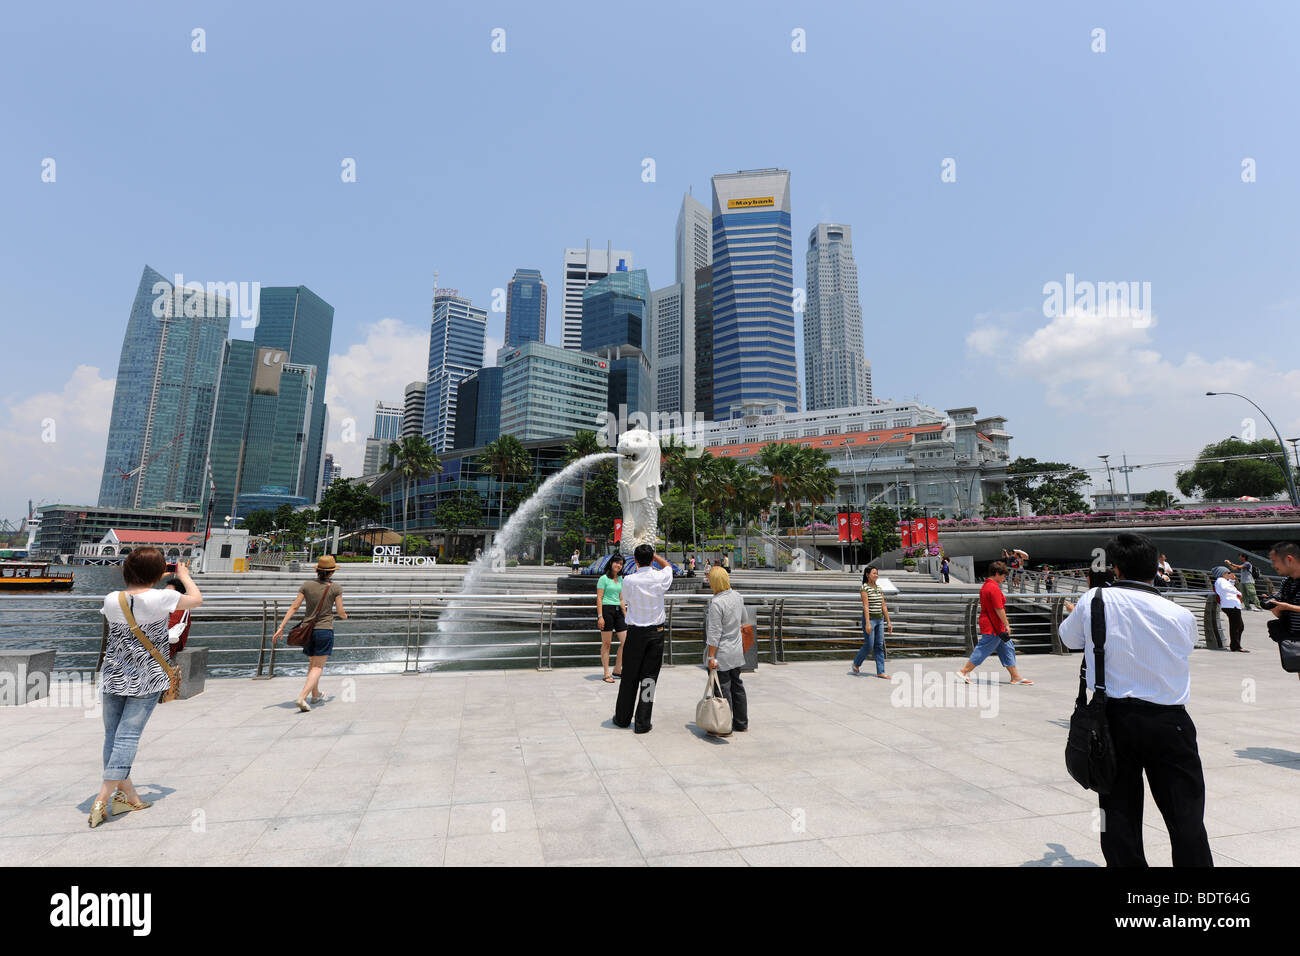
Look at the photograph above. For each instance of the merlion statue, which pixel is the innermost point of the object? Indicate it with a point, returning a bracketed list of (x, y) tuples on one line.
[(638, 486)]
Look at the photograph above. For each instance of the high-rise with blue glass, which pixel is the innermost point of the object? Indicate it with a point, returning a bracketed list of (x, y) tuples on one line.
[(299, 322), (457, 335), (615, 327), (167, 376), (753, 289), (525, 308)]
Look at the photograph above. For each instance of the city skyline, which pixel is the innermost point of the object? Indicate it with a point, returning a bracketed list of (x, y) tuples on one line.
[(955, 254)]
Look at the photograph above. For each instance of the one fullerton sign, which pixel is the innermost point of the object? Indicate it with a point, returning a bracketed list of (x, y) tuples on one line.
[(392, 555)]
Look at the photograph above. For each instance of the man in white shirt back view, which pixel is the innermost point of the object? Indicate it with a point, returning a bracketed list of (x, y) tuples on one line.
[(1225, 587), (1147, 681), (643, 593)]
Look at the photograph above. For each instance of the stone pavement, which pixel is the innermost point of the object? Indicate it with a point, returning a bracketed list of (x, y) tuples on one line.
[(520, 767)]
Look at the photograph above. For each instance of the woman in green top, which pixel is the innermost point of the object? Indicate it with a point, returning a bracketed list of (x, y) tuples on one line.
[(875, 618), (611, 615)]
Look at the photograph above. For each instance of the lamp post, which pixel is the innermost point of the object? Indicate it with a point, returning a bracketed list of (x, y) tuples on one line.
[(1286, 470), (1105, 460)]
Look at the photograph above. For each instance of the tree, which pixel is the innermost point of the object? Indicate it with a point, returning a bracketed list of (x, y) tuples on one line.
[(603, 507), (1160, 499), (1050, 487), (781, 463), (504, 458), (675, 517), (349, 504), (259, 522), (687, 472), (881, 532), (414, 459), (1261, 476), (460, 510), (735, 488), (583, 443), (817, 482), (999, 505)]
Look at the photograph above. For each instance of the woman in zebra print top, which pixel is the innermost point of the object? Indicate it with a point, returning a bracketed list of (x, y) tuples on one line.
[(130, 679)]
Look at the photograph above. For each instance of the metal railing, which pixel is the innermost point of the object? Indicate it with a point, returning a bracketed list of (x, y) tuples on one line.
[(410, 633)]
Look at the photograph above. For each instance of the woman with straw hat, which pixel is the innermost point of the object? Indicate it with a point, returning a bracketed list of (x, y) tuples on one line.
[(316, 596)]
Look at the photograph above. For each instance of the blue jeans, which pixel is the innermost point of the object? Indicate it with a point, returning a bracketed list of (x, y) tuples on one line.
[(124, 720), (873, 638), (986, 646)]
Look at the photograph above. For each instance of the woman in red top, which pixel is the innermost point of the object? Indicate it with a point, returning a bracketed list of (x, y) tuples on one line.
[(995, 631)]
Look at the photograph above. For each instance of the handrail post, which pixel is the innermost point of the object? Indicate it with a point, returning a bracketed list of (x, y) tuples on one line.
[(406, 667), (972, 623), (275, 612), (1213, 630), (780, 631), (261, 648), (419, 632), (771, 631), (541, 627), (1058, 612), (550, 635), (668, 637)]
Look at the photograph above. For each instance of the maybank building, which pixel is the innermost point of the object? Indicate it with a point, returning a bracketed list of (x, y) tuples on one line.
[(753, 288)]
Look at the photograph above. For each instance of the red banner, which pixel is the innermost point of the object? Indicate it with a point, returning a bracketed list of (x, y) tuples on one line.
[(932, 528), (855, 525), (918, 530), (842, 522), (618, 530), (905, 532)]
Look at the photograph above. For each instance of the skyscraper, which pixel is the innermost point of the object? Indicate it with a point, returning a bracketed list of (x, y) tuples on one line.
[(525, 308), (167, 378), (693, 244), (386, 429), (836, 373), (298, 321), (457, 335), (262, 425), (753, 288), (704, 343), (550, 392), (413, 410), (582, 267), (673, 312), (615, 320), (478, 408)]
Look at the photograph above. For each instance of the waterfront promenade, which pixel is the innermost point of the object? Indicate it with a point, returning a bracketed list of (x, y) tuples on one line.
[(520, 767)]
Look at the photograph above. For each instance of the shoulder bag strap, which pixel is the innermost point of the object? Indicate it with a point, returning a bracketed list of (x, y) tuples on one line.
[(1099, 641), (140, 635)]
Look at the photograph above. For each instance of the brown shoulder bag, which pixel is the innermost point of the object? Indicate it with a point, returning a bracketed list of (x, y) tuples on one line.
[(300, 634)]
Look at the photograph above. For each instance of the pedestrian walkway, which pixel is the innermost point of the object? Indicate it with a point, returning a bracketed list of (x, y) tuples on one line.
[(520, 767)]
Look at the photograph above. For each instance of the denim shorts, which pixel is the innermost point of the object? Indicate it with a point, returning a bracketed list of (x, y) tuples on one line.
[(321, 643)]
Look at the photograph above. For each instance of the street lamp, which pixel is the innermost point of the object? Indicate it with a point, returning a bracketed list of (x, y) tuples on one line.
[(1290, 479), (1114, 506)]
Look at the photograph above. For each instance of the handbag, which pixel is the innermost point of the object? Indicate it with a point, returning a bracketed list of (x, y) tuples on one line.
[(713, 712), (1288, 646), (1089, 750), (173, 673), (301, 633)]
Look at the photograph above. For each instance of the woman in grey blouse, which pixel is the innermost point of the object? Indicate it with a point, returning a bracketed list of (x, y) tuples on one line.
[(724, 651)]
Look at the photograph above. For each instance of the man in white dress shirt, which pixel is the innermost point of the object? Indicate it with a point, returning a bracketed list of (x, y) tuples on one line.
[(643, 593), (1148, 681)]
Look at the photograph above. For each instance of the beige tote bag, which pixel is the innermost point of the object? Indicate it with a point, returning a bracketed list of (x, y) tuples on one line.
[(713, 713)]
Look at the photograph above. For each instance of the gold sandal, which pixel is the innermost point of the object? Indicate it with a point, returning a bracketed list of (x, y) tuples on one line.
[(98, 811), (122, 805)]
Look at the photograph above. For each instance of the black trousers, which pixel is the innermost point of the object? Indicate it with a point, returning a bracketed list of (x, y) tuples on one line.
[(642, 657), (1235, 627), (734, 690), (1162, 741)]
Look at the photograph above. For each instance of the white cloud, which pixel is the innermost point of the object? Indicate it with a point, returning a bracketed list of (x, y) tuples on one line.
[(392, 355), (490, 351), (53, 443)]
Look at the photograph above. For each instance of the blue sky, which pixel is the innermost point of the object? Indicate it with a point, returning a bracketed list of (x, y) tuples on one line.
[(1123, 165)]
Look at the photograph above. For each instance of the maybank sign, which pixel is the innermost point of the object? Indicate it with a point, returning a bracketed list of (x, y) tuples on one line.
[(757, 202)]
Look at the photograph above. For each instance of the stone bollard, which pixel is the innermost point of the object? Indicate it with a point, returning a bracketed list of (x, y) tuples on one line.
[(193, 662), (25, 676)]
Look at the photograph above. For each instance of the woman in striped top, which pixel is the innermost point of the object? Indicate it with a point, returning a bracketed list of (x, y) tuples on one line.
[(875, 619), (130, 679)]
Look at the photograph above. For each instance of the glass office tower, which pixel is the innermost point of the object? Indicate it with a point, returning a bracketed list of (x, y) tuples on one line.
[(525, 308), (167, 377), (300, 322), (457, 335), (753, 289), (615, 320)]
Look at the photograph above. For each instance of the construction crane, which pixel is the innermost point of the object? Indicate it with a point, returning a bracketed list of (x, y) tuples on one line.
[(127, 475)]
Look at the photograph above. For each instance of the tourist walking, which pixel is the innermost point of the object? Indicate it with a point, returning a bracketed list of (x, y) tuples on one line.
[(611, 615), (944, 568), (1230, 601), (1285, 605), (1148, 641), (995, 630), (1245, 572), (724, 650), (132, 675), (875, 618), (643, 596), (322, 598), (575, 560)]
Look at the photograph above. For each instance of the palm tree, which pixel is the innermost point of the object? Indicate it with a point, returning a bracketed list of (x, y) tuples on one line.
[(414, 459), (505, 458), (734, 487), (688, 472), (583, 443), (781, 462), (816, 483)]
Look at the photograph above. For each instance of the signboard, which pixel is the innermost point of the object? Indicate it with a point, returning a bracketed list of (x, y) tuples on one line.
[(855, 526), (266, 371), (842, 522), (905, 532), (756, 202), (932, 529), (391, 554), (618, 530)]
